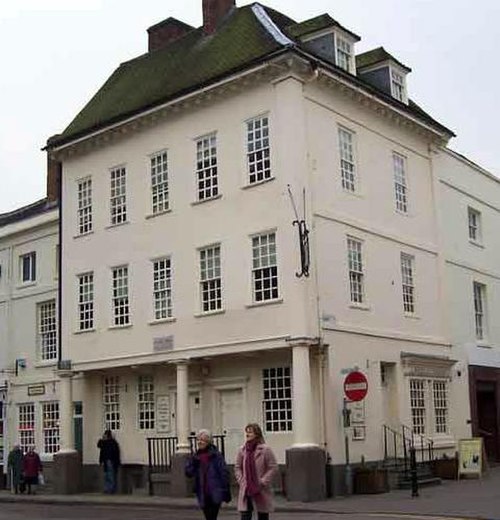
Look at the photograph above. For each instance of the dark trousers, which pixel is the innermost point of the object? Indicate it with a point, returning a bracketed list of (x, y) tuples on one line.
[(247, 515), (211, 510)]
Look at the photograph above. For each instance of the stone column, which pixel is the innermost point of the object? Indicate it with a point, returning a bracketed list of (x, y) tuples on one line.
[(67, 461), (180, 485), (305, 460)]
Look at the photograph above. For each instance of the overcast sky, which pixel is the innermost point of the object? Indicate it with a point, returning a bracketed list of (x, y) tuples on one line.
[(55, 54)]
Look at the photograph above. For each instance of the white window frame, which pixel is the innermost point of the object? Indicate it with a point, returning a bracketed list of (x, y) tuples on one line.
[(26, 425), (408, 282), (343, 53), (158, 169), (210, 262), (120, 302), (118, 195), (111, 402), (85, 222), (475, 225), (429, 406), (27, 268), (145, 402), (277, 407), (50, 426), (400, 182), (347, 159), (355, 263), (265, 272), (207, 179), (86, 301), (258, 149), (480, 311), (47, 330), (398, 85), (162, 288)]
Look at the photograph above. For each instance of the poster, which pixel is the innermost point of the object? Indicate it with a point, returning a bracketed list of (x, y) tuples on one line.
[(470, 459), (162, 414)]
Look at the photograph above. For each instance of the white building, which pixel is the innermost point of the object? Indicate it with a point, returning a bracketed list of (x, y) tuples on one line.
[(470, 219), (28, 328), (181, 304)]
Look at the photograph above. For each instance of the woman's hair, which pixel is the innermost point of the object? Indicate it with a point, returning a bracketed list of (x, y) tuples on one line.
[(205, 433), (257, 430)]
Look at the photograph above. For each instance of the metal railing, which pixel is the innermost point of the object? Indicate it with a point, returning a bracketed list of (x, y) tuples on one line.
[(161, 451), (398, 444)]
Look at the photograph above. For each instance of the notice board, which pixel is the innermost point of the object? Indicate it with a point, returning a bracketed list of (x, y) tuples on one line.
[(470, 456)]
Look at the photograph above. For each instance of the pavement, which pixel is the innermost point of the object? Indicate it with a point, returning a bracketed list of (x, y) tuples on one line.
[(464, 499)]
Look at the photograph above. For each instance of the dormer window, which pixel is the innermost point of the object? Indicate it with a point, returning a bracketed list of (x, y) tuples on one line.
[(344, 54), (398, 90)]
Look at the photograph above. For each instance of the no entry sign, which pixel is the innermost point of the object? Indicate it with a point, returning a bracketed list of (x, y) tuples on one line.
[(355, 386)]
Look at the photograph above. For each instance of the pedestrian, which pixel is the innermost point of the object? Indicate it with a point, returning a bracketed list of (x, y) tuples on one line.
[(32, 467), (211, 477), (15, 469), (255, 468), (109, 457)]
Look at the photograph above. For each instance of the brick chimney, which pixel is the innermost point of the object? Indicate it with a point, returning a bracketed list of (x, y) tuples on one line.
[(213, 12), (166, 32), (54, 169)]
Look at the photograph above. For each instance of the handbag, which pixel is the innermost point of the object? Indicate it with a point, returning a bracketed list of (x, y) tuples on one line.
[(41, 480)]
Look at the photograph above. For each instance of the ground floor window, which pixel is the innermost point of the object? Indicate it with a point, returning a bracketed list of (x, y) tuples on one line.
[(429, 406), (50, 427), (146, 402), (26, 426), (111, 402), (277, 403)]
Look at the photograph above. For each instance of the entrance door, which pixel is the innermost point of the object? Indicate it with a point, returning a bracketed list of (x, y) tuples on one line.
[(232, 421), (78, 425), (487, 419)]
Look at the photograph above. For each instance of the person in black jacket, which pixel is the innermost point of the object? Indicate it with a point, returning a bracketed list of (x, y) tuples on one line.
[(211, 479), (109, 457)]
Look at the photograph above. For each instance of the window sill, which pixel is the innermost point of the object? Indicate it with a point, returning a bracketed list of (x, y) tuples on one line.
[(153, 215), (25, 285), (360, 306), (198, 202), (113, 226), (476, 243), (263, 303), (258, 183), (355, 193), (209, 313), (118, 327), (84, 331), (45, 364), (411, 316), (81, 235), (484, 344), (402, 213), (162, 320)]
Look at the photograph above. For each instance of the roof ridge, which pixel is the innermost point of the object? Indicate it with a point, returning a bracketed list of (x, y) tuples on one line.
[(260, 13)]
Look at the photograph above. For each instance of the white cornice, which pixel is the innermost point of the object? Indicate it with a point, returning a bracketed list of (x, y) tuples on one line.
[(30, 224)]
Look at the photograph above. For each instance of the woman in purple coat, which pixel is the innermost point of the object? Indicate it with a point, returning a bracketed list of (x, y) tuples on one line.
[(211, 479)]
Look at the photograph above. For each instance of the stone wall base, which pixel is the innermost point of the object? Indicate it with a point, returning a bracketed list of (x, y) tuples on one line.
[(67, 473), (306, 474)]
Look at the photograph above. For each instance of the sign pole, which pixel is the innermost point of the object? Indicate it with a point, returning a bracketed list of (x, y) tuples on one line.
[(346, 413)]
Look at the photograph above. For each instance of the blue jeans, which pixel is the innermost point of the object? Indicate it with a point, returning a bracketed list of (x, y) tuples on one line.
[(109, 477)]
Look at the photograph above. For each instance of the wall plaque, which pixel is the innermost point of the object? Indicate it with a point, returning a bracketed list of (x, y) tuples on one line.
[(36, 390), (163, 343)]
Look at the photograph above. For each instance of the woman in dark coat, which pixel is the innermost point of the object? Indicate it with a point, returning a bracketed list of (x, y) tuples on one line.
[(15, 466), (32, 466), (211, 478)]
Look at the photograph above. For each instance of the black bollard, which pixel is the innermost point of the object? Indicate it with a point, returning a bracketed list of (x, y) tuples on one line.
[(413, 472)]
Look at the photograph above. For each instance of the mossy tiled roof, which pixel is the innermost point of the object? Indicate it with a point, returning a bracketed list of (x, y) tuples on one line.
[(378, 55), (187, 63), (192, 62)]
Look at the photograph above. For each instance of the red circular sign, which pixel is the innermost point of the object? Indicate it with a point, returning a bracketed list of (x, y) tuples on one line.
[(355, 386)]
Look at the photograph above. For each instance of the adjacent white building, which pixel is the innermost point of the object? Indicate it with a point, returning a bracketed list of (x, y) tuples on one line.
[(470, 218), (28, 328)]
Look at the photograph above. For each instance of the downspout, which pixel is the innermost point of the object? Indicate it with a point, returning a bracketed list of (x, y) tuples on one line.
[(59, 267)]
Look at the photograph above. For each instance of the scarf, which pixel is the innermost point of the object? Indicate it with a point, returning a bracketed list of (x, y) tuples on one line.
[(250, 470), (204, 457)]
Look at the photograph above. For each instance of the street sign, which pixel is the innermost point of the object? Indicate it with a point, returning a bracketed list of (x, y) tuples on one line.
[(355, 386)]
